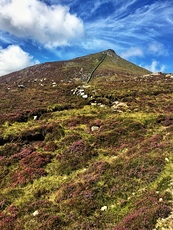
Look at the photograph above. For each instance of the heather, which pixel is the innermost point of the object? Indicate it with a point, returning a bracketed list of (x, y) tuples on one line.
[(101, 162)]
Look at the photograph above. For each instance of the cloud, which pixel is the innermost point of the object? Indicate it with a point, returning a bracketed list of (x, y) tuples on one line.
[(13, 58), (155, 67), (132, 22), (51, 26), (157, 48), (132, 52)]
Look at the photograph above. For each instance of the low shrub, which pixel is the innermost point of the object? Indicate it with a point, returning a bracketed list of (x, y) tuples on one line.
[(146, 168), (35, 160), (76, 156), (110, 139), (68, 139), (7, 221), (49, 132), (165, 120), (54, 132), (22, 154), (145, 213), (52, 222), (9, 149), (51, 146), (30, 168), (4, 202), (26, 175)]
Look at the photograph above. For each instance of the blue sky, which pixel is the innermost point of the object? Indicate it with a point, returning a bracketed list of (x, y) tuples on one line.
[(37, 31)]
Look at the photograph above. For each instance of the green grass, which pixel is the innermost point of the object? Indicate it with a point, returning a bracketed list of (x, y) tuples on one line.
[(56, 173)]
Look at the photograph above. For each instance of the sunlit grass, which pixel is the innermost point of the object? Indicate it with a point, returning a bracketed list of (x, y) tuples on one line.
[(58, 173)]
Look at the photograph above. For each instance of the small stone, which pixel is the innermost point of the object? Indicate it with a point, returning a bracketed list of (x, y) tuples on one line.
[(166, 159), (85, 96), (115, 102), (35, 118), (94, 128), (104, 208), (35, 213), (160, 199), (93, 103)]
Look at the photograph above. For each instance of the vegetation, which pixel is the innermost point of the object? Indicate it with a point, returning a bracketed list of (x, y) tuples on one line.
[(104, 162)]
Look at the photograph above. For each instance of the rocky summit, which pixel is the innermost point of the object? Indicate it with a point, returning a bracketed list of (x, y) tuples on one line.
[(86, 144)]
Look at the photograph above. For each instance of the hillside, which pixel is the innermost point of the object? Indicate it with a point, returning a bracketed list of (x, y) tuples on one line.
[(86, 144), (24, 93)]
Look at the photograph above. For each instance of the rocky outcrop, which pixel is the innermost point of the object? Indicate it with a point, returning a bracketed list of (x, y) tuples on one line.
[(79, 91)]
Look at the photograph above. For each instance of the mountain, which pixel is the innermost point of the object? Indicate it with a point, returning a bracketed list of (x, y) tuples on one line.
[(35, 88), (78, 69), (86, 144)]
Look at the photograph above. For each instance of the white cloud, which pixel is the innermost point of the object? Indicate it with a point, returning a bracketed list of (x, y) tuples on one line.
[(157, 48), (155, 67), (52, 26), (132, 52), (133, 25), (13, 58), (97, 44)]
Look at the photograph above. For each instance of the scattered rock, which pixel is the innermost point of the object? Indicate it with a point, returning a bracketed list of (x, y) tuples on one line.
[(79, 91), (95, 128), (35, 118), (166, 159), (82, 93), (119, 106), (35, 213), (104, 208), (94, 103), (102, 105), (86, 86), (21, 86), (156, 73), (160, 199), (54, 84), (85, 96), (81, 71)]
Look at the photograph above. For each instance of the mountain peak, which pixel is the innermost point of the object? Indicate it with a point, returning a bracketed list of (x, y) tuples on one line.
[(110, 52)]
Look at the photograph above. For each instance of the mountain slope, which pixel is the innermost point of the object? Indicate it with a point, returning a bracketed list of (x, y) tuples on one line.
[(78, 155), (79, 68), (35, 88)]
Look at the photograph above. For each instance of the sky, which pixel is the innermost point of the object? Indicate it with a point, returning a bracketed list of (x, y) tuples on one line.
[(38, 31)]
